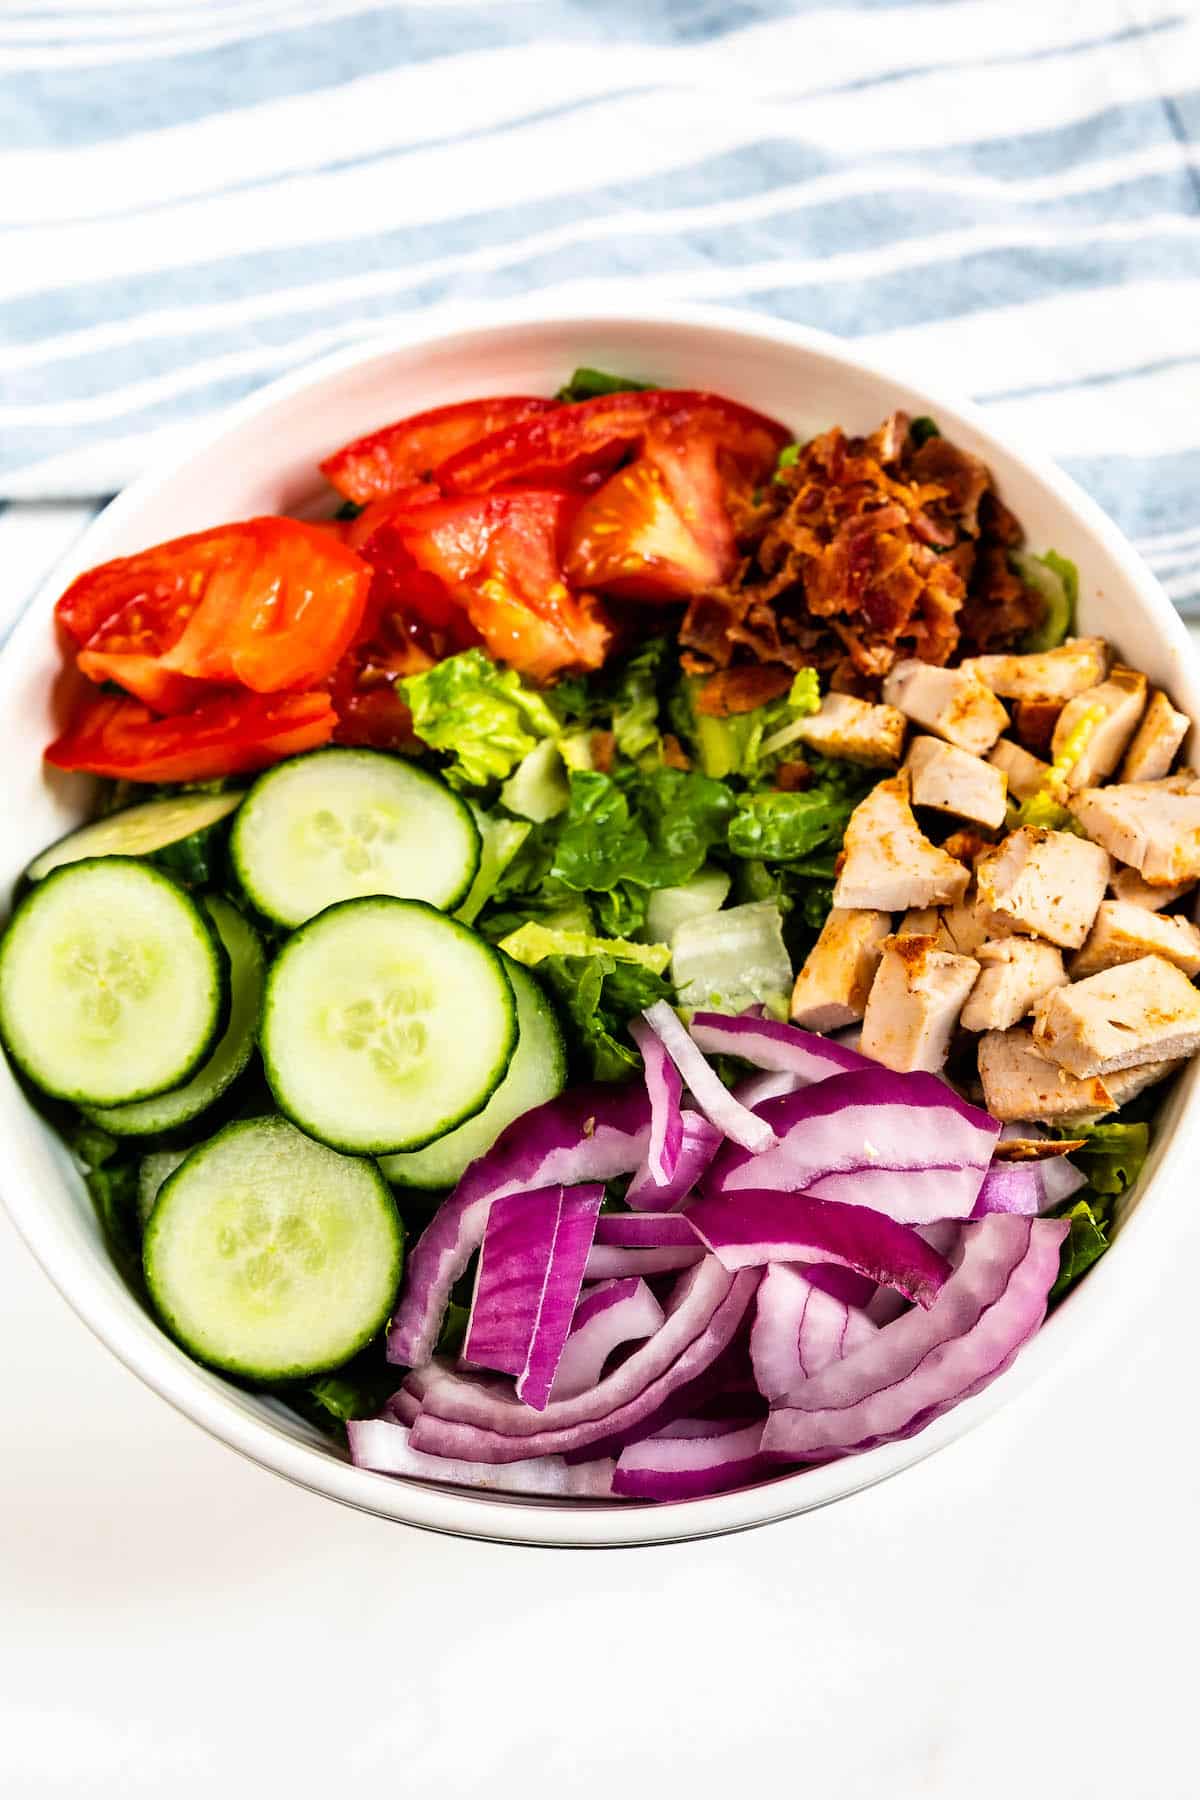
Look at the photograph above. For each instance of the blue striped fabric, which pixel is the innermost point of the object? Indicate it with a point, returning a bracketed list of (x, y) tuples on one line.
[(196, 197)]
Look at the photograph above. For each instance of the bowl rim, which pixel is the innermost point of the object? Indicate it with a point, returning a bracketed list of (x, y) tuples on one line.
[(135, 1339)]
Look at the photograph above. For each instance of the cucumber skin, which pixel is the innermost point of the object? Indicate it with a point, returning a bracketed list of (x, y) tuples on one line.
[(241, 891), (223, 976), (177, 1133), (244, 1372), (443, 1127), (198, 860)]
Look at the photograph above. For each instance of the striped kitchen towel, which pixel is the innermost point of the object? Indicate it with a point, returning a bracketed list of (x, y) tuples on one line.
[(1004, 195)]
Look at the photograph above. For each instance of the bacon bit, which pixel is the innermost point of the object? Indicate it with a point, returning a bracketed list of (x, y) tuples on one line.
[(793, 777), (1034, 1149), (966, 845), (673, 753), (741, 690), (862, 551), (604, 748)]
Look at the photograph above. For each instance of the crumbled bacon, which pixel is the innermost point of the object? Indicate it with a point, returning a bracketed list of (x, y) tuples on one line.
[(741, 690), (863, 551)]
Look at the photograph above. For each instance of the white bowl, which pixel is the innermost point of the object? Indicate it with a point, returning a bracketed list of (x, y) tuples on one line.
[(262, 457)]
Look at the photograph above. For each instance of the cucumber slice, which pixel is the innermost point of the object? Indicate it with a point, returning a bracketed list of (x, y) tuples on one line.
[(182, 833), (270, 1256), (536, 1073), (152, 1173), (385, 1025), (113, 984), (167, 1112), (340, 824)]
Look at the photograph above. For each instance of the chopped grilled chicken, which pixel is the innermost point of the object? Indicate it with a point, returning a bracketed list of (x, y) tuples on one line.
[(949, 702), (1126, 1084), (1138, 1012), (914, 1003), (924, 921), (887, 863), (1154, 826), (1019, 1083), (963, 924), (952, 781), (1059, 674), (831, 989), (1032, 1149), (968, 844), (1025, 772), (1127, 884), (1124, 931), (1042, 883), (855, 730), (1014, 973), (1155, 742), (1120, 701)]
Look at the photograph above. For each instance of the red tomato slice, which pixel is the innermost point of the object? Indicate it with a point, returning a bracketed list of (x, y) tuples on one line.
[(269, 604), (563, 447), (229, 734), (496, 562), (377, 465)]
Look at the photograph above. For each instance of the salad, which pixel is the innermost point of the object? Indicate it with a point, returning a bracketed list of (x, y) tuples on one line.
[(636, 957)]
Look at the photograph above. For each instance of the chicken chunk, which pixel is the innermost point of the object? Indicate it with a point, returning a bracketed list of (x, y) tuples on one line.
[(1138, 1012), (1127, 884), (1123, 931), (1026, 772), (914, 1003), (1126, 1084), (855, 730), (1058, 674), (1155, 741), (1044, 884), (950, 703), (1019, 1083), (1099, 724), (963, 925), (1154, 826), (925, 921), (831, 989), (1014, 973), (952, 781), (888, 864)]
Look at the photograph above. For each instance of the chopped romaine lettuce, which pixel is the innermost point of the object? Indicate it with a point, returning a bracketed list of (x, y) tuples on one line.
[(1085, 1242), (922, 429), (1056, 579), (482, 716), (788, 457), (1113, 1156), (591, 384), (538, 788), (500, 840), (668, 907), (742, 744), (651, 829), (726, 961), (598, 992), (535, 941), (635, 702), (784, 827)]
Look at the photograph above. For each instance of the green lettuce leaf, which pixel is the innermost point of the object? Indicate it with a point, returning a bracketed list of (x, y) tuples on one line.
[(482, 716), (534, 942), (635, 702), (647, 829), (780, 827), (597, 995), (1085, 1242), (741, 745), (1113, 1156), (591, 384)]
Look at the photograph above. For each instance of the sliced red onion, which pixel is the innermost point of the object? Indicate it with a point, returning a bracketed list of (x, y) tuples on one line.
[(878, 1125), (691, 1458), (664, 1090), (531, 1268), (1059, 1179), (384, 1446), (799, 1328), (589, 1134), (700, 1143), (607, 1262), (844, 1284), (653, 1230), (463, 1418), (767, 1085), (723, 1389), (708, 1090), (770, 1044), (609, 1315), (1010, 1188), (748, 1227), (926, 1362)]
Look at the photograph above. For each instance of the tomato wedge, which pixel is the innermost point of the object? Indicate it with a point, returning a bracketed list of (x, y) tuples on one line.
[(564, 447), (631, 539), (377, 465), (490, 567), (269, 604), (229, 734)]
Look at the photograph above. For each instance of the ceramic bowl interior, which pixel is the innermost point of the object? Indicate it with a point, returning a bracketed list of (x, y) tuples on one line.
[(263, 458)]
